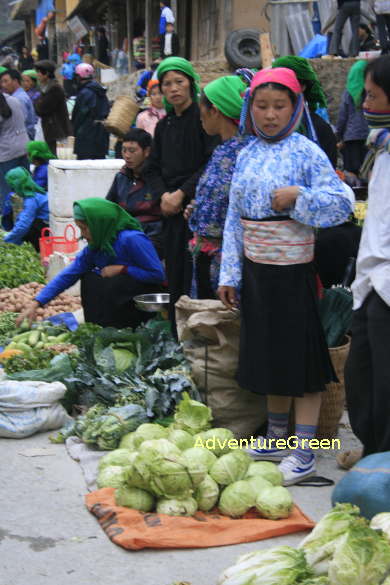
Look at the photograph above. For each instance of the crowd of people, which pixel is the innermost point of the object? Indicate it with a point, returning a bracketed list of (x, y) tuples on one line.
[(232, 192)]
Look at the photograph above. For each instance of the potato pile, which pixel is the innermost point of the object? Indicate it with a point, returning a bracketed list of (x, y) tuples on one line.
[(17, 299)]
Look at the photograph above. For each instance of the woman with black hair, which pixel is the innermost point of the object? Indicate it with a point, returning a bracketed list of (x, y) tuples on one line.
[(13, 140), (367, 372), (51, 105), (180, 151)]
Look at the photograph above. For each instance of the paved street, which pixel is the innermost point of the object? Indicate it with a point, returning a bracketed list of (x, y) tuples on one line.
[(48, 536)]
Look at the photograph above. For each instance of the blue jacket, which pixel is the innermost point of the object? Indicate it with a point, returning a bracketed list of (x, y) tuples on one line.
[(36, 207), (351, 123), (40, 175), (132, 249), (90, 109)]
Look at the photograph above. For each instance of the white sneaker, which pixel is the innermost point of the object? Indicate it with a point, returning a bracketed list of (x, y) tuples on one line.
[(270, 454), (294, 470)]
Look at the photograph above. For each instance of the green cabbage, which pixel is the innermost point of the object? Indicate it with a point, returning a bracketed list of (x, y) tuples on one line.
[(382, 522), (266, 470), (257, 483), (276, 566), (148, 431), (123, 359), (127, 442), (158, 448), (236, 499), (361, 557), (316, 581), (139, 473), (121, 457), (170, 479), (215, 440), (323, 540), (134, 498), (207, 494), (203, 456), (229, 468), (274, 503), (181, 439), (173, 507), (192, 416), (112, 476)]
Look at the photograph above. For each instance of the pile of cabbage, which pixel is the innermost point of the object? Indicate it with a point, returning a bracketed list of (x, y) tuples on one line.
[(342, 549), (188, 466)]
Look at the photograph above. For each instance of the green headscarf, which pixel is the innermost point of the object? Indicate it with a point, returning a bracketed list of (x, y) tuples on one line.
[(104, 219), (314, 94), (20, 180), (182, 65), (2, 69), (355, 82), (31, 73), (39, 149), (226, 94)]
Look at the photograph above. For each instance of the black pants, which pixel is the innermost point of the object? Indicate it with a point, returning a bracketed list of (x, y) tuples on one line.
[(349, 10), (367, 375), (34, 233), (354, 153), (109, 301), (383, 22)]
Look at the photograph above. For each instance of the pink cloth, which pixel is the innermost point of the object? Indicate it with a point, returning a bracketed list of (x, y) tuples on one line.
[(148, 119), (280, 75)]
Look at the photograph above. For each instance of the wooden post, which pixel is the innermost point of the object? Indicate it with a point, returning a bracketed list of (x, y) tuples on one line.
[(130, 32), (148, 33), (267, 55)]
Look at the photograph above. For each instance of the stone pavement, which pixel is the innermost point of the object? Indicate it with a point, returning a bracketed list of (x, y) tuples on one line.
[(47, 536)]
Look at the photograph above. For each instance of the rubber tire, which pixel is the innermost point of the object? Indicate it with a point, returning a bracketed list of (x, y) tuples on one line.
[(242, 48)]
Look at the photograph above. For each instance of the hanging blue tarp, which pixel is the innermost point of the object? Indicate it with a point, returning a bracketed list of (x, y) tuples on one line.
[(43, 9)]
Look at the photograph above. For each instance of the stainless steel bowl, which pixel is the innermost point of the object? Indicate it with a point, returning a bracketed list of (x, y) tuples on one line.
[(152, 303)]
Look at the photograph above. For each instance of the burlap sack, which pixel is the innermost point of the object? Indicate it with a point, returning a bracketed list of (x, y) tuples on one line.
[(210, 337)]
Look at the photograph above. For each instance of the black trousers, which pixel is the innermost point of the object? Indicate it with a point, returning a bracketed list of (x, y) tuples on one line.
[(367, 375), (383, 22), (349, 10), (354, 153), (34, 233), (109, 301)]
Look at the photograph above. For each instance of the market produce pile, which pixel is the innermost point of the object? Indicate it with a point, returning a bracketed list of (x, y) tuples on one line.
[(19, 265), (188, 466), (342, 549), (17, 299)]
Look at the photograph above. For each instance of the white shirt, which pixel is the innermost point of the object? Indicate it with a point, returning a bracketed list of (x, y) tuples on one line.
[(168, 44), (168, 15), (373, 263)]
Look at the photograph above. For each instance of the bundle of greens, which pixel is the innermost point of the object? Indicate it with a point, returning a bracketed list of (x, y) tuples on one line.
[(19, 265), (7, 325)]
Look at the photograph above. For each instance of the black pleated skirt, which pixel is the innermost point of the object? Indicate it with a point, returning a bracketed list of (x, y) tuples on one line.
[(283, 350)]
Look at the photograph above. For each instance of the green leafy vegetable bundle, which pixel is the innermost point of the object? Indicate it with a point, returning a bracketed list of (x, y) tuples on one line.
[(19, 265)]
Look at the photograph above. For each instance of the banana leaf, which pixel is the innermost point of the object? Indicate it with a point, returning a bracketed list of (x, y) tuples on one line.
[(336, 314)]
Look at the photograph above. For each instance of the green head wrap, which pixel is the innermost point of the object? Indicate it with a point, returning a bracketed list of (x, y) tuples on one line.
[(20, 180), (355, 82), (306, 75), (226, 94), (183, 66), (104, 219), (3, 69), (38, 149), (31, 73)]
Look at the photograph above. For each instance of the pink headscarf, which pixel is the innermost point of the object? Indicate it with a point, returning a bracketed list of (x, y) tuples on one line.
[(280, 75)]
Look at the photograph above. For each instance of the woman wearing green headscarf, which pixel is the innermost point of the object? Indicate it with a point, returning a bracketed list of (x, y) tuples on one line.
[(30, 84), (118, 263), (35, 211), (352, 127), (220, 109), (39, 155), (180, 151), (313, 125)]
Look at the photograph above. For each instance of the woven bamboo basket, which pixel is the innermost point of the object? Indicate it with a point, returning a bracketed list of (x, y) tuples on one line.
[(121, 116), (333, 399)]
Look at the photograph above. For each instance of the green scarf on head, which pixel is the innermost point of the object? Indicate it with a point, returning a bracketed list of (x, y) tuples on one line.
[(355, 82), (38, 149), (314, 94), (20, 181), (2, 69), (183, 66), (226, 94), (31, 73), (104, 220)]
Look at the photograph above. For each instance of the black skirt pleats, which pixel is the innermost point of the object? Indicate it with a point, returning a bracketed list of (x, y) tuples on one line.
[(283, 350)]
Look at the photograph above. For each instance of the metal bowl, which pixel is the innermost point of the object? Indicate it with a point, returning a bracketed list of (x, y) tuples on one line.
[(152, 303)]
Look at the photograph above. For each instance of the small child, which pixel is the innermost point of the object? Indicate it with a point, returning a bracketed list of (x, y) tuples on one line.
[(169, 42)]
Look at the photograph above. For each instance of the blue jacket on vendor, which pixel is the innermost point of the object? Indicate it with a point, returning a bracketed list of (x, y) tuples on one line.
[(40, 175), (132, 248), (35, 204)]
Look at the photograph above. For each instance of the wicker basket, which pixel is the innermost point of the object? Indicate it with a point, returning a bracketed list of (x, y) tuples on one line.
[(333, 399), (121, 116)]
